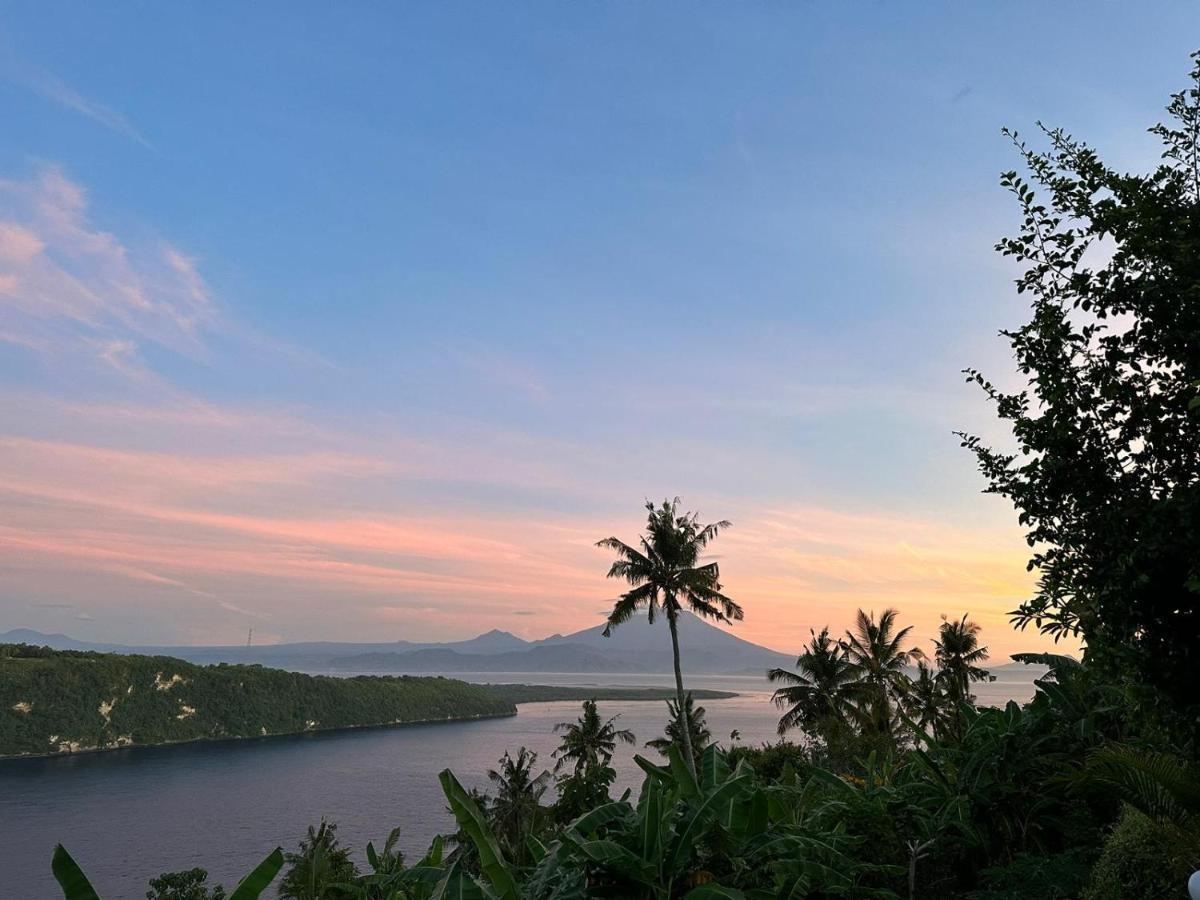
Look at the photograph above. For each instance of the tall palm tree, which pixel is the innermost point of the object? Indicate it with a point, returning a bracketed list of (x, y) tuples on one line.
[(666, 573), (689, 732), (516, 811), (589, 742), (878, 658), (958, 654), (819, 692)]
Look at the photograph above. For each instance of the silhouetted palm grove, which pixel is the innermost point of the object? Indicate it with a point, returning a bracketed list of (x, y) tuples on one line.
[(895, 783)]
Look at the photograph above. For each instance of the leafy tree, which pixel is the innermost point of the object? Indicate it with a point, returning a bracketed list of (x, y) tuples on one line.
[(1142, 860), (666, 573), (817, 697), (516, 811), (1105, 473), (877, 658), (686, 731), (191, 884), (318, 867)]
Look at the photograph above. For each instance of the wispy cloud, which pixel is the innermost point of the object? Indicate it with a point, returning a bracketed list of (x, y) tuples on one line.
[(72, 290), (503, 372), (49, 86)]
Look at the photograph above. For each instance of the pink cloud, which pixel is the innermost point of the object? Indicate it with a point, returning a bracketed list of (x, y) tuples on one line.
[(187, 523), (71, 286)]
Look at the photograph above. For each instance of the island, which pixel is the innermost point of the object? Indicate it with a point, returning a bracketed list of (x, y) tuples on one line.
[(75, 701)]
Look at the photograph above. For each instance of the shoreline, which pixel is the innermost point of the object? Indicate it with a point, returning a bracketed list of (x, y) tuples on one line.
[(620, 694), (231, 739)]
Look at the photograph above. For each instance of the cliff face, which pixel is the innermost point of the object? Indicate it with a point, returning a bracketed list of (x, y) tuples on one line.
[(70, 701)]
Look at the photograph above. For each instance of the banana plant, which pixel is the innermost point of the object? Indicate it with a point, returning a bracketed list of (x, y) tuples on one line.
[(500, 875), (389, 879), (75, 884)]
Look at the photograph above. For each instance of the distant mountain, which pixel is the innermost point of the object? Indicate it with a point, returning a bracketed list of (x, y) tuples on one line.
[(56, 641), (636, 647)]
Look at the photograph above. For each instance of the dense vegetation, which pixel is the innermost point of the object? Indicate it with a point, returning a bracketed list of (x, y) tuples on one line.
[(59, 701), (901, 787)]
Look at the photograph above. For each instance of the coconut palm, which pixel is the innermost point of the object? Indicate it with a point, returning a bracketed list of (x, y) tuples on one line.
[(318, 867), (926, 702), (878, 658), (666, 574), (515, 811), (958, 653), (697, 734), (589, 742), (818, 693)]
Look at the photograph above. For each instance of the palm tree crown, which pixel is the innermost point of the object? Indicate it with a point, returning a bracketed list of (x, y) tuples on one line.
[(589, 742), (878, 658), (926, 701), (819, 692), (697, 728), (516, 809), (958, 653), (666, 572)]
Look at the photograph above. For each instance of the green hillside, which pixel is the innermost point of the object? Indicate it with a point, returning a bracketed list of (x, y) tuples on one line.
[(63, 701)]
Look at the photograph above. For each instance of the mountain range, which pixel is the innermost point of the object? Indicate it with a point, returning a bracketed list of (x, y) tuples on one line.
[(635, 647)]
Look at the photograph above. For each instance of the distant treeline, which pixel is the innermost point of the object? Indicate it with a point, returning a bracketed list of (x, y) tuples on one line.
[(65, 701)]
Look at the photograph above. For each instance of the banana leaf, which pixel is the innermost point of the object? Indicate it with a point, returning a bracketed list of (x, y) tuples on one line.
[(74, 884), (471, 820), (252, 886)]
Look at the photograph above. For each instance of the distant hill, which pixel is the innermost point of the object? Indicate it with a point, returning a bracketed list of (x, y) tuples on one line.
[(635, 647), (71, 701)]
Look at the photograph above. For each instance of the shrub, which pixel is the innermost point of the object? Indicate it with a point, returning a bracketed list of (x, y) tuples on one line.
[(1142, 860), (1058, 877)]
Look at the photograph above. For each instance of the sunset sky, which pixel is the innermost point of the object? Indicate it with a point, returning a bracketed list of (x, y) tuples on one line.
[(368, 326)]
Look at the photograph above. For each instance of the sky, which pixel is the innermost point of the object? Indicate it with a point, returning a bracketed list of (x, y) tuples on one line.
[(366, 322)]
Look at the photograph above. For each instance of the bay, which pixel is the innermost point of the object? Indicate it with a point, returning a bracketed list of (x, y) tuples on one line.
[(128, 815)]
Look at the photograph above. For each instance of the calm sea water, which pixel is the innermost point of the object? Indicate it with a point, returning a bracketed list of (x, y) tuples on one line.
[(128, 815)]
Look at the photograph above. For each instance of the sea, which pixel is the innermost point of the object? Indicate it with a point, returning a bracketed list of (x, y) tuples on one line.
[(128, 815)]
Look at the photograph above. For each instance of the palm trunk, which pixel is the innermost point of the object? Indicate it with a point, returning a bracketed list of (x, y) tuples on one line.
[(685, 721)]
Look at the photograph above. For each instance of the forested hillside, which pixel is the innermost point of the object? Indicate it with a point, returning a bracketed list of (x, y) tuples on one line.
[(64, 701)]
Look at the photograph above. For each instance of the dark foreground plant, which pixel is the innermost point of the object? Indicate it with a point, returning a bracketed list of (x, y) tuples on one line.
[(75, 885)]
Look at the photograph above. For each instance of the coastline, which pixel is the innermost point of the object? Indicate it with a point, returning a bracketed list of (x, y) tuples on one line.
[(229, 739), (561, 694)]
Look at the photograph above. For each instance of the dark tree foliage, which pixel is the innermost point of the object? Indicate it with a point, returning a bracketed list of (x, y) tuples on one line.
[(1106, 472), (191, 884), (692, 723), (319, 867), (62, 701)]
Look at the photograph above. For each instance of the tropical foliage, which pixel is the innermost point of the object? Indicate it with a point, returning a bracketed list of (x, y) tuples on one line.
[(587, 749), (693, 719), (1105, 471)]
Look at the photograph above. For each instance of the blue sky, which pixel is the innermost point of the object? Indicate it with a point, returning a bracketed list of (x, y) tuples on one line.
[(365, 320)]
